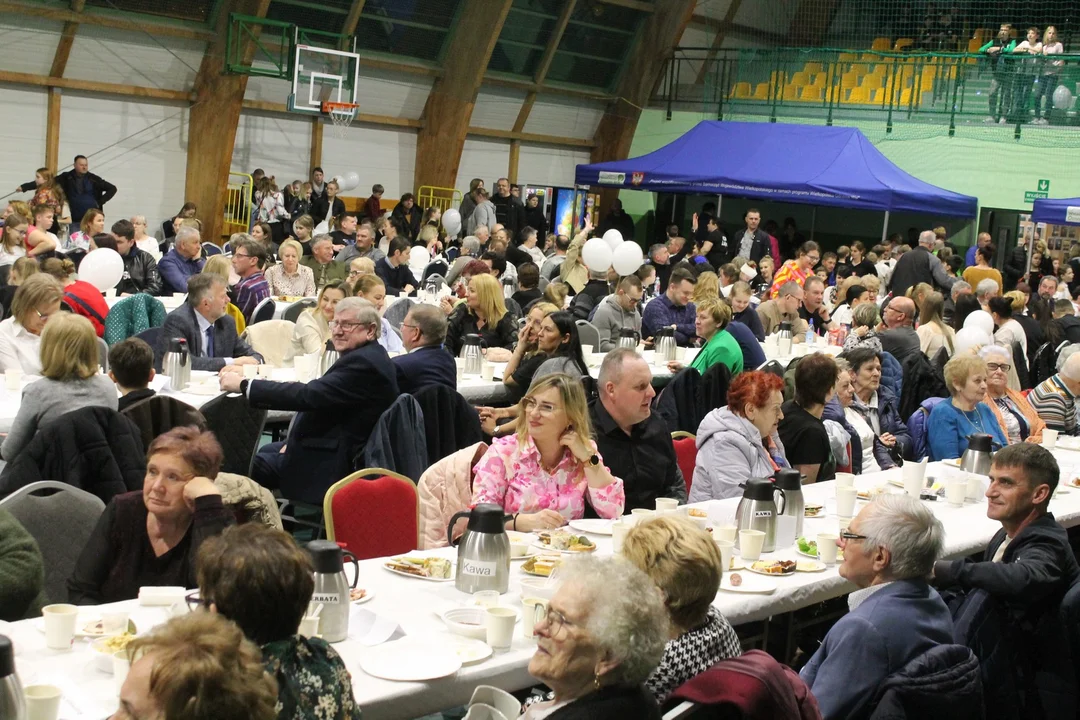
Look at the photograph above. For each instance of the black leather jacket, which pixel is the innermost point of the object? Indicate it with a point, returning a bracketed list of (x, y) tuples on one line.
[(140, 274)]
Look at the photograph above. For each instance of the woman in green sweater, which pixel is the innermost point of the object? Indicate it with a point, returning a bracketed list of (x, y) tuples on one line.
[(713, 316), (22, 571)]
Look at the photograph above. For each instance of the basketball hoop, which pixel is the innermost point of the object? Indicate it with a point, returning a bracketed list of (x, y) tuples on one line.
[(341, 115)]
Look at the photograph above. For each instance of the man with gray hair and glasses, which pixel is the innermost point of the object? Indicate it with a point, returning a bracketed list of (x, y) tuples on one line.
[(210, 333), (920, 265), (895, 616), (180, 263)]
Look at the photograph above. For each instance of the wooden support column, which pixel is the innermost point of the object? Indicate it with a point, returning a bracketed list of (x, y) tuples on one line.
[(214, 120), (515, 156), (449, 107), (616, 130), (52, 131), (316, 142)]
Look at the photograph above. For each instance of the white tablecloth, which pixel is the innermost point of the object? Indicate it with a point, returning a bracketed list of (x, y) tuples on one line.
[(412, 603)]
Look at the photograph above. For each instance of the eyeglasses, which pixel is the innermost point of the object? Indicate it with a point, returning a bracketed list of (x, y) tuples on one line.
[(355, 273), (241, 256), (999, 366), (849, 536), (546, 409), (555, 621), (44, 316), (346, 325), (407, 325), (195, 601)]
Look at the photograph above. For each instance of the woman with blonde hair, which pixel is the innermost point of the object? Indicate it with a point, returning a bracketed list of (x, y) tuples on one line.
[(864, 321), (303, 229), (1051, 71), (951, 423), (706, 287), (872, 283), (358, 268), (70, 380), (289, 277), (82, 297), (933, 333), (373, 289), (37, 299), (13, 238), (918, 293), (483, 313), (545, 473), (21, 269), (684, 562), (313, 325), (556, 293)]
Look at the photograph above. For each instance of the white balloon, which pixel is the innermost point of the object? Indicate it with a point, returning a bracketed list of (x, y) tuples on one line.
[(1063, 98), (102, 268), (970, 338), (451, 220), (627, 258), (981, 321), (321, 229), (613, 238), (597, 255), (347, 181)]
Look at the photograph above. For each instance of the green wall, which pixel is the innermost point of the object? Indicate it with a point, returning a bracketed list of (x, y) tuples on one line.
[(981, 161)]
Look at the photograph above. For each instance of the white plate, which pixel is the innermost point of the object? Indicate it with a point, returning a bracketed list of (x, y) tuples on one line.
[(203, 389), (410, 660), (813, 566), (750, 568), (545, 550), (366, 598), (468, 650), (839, 554), (593, 527), (520, 537), (752, 584), (421, 577)]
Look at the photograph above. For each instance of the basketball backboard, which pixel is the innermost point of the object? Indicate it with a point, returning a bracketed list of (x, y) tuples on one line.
[(320, 75)]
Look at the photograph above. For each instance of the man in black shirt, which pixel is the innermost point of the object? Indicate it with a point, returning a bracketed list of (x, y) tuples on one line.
[(394, 269), (896, 333), (813, 305), (635, 444), (508, 209), (345, 234)]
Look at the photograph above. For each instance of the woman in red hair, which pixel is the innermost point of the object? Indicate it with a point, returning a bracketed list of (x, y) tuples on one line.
[(739, 441)]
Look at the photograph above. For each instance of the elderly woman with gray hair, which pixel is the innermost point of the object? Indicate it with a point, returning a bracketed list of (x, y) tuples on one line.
[(864, 319), (604, 634), (895, 616), (1019, 421)]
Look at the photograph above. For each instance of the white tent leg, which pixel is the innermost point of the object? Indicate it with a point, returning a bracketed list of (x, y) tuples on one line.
[(885, 228)]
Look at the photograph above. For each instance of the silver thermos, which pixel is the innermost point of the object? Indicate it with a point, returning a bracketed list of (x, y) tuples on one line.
[(757, 510), (784, 337), (665, 344), (979, 454), (483, 560), (177, 363), (789, 480), (629, 338), (331, 588), (472, 354), (329, 356), (12, 700)]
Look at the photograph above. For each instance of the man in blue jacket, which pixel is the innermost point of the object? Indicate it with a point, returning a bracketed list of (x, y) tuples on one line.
[(335, 414), (673, 309), (895, 616), (426, 360)]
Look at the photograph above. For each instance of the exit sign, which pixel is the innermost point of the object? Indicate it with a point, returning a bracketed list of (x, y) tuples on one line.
[(1044, 186), (1031, 196)]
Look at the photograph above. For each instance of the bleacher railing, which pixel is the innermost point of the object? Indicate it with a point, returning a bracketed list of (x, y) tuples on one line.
[(237, 218), (891, 87), (442, 198)]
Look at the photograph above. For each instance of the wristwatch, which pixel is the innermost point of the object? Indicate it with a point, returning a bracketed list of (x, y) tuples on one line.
[(244, 386), (593, 460)]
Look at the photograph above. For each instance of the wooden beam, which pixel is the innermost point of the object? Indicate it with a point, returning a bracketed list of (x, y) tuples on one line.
[(449, 106), (531, 138), (105, 20), (556, 38), (811, 21), (214, 119), (658, 36), (14, 78), (638, 5), (734, 28), (718, 39), (515, 155), (52, 131), (353, 18), (523, 113), (315, 159), (67, 39), (547, 89)]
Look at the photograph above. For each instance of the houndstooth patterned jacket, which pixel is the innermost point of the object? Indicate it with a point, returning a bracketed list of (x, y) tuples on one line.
[(694, 652)]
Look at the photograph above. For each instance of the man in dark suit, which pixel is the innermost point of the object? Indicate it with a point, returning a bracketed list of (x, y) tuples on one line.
[(210, 333), (426, 361), (335, 414)]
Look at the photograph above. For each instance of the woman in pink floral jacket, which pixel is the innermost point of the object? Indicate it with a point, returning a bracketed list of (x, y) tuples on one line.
[(547, 471)]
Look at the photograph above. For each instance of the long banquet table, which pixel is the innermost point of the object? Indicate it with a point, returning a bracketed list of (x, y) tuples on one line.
[(410, 602)]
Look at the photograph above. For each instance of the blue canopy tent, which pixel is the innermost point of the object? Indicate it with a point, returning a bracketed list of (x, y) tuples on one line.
[(812, 165), (1059, 211)]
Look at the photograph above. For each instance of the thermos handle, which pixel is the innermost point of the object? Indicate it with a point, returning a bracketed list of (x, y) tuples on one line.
[(450, 528), (783, 497), (346, 555)]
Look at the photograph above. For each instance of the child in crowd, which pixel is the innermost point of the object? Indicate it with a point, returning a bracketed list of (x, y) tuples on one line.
[(373, 208), (131, 367)]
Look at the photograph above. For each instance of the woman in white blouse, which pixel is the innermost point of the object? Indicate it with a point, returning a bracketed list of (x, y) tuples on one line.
[(933, 333), (313, 325), (36, 300), (1048, 81), (289, 277)]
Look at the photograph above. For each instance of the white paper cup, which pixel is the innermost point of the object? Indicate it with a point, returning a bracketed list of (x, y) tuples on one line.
[(618, 535), (533, 611), (727, 533), (666, 504), (309, 626), (264, 371), (641, 515), (486, 598), (60, 625), (487, 372), (120, 666), (826, 548), (1049, 438), (844, 479), (976, 486), (110, 293), (914, 474), (499, 622), (586, 349), (785, 531), (13, 379), (460, 373), (750, 544), (727, 551), (955, 490), (42, 702), (845, 501), (519, 549)]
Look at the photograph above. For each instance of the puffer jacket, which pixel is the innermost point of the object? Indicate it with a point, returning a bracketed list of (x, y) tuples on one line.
[(730, 452), (445, 488), (133, 315), (942, 683), (610, 319)]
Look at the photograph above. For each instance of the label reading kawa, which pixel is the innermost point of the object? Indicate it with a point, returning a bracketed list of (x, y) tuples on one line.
[(478, 568), (763, 513)]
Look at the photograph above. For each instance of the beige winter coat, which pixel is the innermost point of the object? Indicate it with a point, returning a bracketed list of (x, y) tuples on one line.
[(445, 488), (255, 502)]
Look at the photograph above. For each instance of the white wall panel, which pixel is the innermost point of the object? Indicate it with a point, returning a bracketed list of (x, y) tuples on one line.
[(140, 147), (134, 58), (711, 8), (267, 89), (564, 117), (378, 155), (393, 94), (540, 165), (482, 158), (23, 115), (29, 44), (497, 108), (279, 144)]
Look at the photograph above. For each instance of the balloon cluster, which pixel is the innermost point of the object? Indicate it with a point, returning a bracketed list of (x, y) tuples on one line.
[(1063, 98), (347, 181), (978, 331), (451, 220), (611, 251)]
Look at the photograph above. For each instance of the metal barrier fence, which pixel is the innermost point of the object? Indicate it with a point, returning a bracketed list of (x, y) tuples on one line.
[(237, 204), (1018, 90), (442, 198)]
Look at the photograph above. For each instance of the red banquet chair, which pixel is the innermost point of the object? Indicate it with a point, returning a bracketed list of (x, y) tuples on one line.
[(373, 513), (686, 453)]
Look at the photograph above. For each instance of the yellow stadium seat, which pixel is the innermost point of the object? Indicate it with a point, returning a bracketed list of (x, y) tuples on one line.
[(741, 90), (849, 80), (859, 95), (871, 82), (847, 57), (761, 92), (813, 67), (870, 58), (903, 43), (819, 80), (799, 79), (882, 44), (881, 70), (791, 92), (812, 93), (905, 97)]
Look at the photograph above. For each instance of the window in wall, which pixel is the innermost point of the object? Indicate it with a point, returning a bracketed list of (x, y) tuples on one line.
[(417, 29), (191, 10), (322, 15), (525, 36), (595, 45)]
